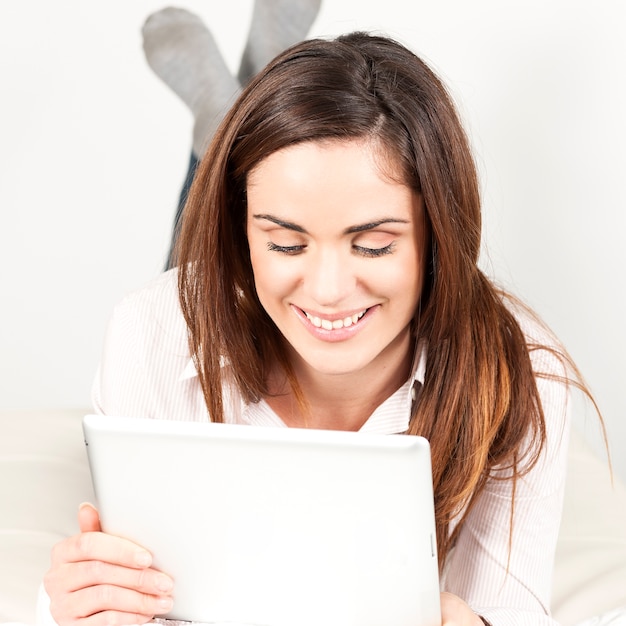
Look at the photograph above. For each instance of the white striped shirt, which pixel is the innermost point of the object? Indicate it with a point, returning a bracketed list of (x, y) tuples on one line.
[(147, 371)]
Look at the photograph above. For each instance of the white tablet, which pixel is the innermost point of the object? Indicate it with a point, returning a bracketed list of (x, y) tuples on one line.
[(274, 526)]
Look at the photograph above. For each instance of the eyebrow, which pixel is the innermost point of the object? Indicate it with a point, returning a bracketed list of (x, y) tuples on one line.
[(371, 225), (351, 230), (279, 222)]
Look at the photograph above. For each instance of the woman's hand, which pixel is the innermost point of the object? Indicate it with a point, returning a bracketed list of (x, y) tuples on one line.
[(454, 612), (97, 579)]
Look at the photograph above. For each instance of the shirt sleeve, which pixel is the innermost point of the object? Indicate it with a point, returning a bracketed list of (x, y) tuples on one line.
[(122, 372), (507, 577), (44, 618), (146, 364)]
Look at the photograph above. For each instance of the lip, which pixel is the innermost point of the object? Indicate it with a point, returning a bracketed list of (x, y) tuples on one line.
[(338, 334)]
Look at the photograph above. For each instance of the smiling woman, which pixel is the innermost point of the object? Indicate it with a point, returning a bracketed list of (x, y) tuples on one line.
[(330, 137), (327, 277), (339, 268)]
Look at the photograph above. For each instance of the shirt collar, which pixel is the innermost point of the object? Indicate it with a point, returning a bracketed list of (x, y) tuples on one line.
[(190, 371), (416, 379), (393, 415)]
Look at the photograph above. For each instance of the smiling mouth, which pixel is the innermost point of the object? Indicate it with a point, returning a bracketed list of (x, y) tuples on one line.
[(326, 324)]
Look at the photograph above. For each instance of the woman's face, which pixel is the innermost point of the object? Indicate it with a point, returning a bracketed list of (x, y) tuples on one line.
[(337, 251)]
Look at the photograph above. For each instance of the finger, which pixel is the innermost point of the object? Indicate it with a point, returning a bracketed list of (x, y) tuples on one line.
[(88, 518), (98, 546), (106, 618), (76, 576), (455, 612), (86, 602)]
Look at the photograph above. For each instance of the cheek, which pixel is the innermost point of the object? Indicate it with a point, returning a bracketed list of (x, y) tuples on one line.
[(259, 270), (402, 280), (273, 276), (406, 290)]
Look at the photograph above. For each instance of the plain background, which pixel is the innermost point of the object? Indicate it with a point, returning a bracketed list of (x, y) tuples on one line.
[(94, 149)]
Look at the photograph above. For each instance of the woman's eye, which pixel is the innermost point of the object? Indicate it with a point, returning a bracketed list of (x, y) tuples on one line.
[(374, 243), (373, 252), (273, 247)]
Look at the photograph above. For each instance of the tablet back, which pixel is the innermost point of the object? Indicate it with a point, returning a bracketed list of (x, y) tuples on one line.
[(280, 527)]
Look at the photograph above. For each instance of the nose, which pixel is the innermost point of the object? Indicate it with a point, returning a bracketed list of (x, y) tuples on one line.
[(330, 277)]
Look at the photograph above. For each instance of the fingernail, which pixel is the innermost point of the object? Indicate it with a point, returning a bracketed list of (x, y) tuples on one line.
[(164, 583), (165, 603), (143, 558)]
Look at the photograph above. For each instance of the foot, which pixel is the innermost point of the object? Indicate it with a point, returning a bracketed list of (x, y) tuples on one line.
[(276, 25), (182, 52)]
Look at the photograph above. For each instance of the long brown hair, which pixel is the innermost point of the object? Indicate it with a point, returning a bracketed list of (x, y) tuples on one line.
[(479, 406)]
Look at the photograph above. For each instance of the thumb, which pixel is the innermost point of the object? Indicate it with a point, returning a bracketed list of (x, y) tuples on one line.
[(88, 518)]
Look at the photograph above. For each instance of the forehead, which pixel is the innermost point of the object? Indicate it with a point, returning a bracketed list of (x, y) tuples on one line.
[(369, 152), (332, 185)]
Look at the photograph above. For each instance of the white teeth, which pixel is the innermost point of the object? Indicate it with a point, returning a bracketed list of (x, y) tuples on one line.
[(335, 324)]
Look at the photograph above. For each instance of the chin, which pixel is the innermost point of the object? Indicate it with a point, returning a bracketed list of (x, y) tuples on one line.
[(333, 363)]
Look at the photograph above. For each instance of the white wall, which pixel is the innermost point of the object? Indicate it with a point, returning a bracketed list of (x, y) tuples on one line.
[(93, 150)]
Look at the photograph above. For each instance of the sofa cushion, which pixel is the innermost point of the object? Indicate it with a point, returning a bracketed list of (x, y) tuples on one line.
[(590, 569), (44, 476)]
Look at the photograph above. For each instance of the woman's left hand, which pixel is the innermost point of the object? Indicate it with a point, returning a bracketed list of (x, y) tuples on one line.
[(455, 612)]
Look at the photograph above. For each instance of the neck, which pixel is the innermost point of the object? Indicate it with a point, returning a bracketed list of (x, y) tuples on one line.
[(336, 401)]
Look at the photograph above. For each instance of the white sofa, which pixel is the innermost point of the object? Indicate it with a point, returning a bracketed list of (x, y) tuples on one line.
[(44, 477)]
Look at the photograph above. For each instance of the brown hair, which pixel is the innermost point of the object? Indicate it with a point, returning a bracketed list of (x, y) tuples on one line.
[(479, 406)]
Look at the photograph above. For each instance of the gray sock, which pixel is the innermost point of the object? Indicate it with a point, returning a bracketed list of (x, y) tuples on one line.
[(182, 52), (276, 25)]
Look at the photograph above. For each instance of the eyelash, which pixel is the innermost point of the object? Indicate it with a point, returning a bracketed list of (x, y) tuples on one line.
[(366, 252), (374, 252), (291, 250)]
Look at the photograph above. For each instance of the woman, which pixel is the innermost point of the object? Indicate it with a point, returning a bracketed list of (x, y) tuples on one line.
[(328, 278)]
